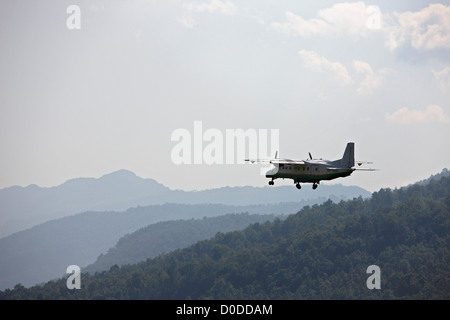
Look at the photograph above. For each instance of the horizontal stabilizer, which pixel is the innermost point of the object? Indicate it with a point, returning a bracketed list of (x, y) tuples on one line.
[(363, 162)]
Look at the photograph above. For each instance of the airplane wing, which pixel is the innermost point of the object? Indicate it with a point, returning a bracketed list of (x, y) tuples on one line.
[(285, 161), (278, 161), (257, 160)]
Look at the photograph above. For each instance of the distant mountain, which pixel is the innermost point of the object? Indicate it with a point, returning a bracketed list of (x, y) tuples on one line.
[(24, 207), (321, 252)]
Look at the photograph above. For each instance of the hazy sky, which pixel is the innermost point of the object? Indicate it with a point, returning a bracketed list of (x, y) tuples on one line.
[(108, 96)]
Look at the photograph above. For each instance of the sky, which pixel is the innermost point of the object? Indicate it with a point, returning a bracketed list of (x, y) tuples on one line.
[(104, 85)]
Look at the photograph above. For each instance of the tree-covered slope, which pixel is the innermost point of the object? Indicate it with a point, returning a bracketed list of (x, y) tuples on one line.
[(163, 237), (322, 252), (43, 252)]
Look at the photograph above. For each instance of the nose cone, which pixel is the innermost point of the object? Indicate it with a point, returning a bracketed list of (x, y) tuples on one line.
[(272, 171)]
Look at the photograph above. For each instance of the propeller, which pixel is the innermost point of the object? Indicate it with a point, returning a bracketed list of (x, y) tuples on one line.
[(310, 157)]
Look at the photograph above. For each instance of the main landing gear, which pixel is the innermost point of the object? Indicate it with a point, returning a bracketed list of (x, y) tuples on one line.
[(315, 185)]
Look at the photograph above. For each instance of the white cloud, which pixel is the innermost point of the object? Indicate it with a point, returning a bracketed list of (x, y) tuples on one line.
[(313, 61), (341, 19), (432, 113), (213, 6), (443, 77), (350, 18), (426, 29), (372, 79), (367, 83), (298, 25), (362, 67)]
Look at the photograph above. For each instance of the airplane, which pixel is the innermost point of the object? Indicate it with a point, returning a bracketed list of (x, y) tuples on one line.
[(313, 170)]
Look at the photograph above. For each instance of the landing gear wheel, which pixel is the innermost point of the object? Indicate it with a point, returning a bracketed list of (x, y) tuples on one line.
[(314, 186), (271, 183), (298, 186)]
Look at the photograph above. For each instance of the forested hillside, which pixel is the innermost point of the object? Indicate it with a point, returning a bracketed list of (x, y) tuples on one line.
[(167, 236), (43, 252), (322, 252)]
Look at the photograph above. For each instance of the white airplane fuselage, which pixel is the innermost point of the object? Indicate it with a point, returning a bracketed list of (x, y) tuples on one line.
[(311, 171)]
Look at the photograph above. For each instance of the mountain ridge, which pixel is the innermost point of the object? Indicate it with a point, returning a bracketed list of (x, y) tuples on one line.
[(24, 207)]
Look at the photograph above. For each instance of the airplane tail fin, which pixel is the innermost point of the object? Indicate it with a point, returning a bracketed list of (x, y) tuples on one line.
[(348, 159)]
